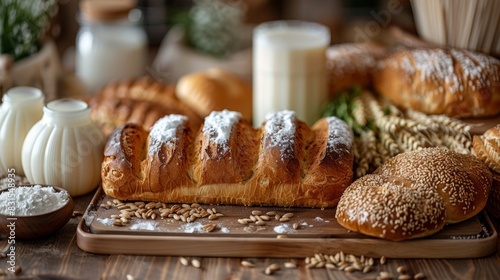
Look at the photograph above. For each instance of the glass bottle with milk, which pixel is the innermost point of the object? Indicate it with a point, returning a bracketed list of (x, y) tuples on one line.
[(110, 44), (289, 70)]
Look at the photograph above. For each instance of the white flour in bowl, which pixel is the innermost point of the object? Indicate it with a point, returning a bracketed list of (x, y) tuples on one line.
[(31, 200)]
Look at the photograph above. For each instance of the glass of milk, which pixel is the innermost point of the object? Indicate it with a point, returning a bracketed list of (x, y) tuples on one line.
[(289, 69)]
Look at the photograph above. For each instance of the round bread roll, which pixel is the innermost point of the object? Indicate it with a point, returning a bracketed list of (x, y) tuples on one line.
[(487, 147), (457, 83), (351, 64), (215, 90), (405, 190), (391, 207)]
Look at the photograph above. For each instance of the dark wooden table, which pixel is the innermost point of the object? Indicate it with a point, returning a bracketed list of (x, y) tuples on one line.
[(58, 257)]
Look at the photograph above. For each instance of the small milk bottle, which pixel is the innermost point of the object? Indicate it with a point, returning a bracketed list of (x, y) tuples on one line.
[(20, 110), (65, 148)]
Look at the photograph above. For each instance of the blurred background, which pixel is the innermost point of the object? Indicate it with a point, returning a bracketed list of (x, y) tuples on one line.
[(344, 17)]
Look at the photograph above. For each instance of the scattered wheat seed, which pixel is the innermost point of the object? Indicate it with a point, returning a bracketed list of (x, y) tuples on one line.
[(350, 269), (265, 217), (384, 275), (404, 277), (401, 270), (130, 277), (256, 212), (209, 227), (330, 266), (184, 261), (247, 264), (290, 264), (419, 276), (212, 217), (260, 223), (288, 215), (271, 268), (196, 263)]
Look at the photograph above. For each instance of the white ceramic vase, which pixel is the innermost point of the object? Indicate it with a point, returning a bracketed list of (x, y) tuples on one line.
[(65, 148), (20, 110)]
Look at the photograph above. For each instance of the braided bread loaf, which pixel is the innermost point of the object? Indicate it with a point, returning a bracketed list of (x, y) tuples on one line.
[(227, 161), (415, 194)]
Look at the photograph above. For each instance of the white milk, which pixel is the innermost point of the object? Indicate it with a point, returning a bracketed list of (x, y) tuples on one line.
[(289, 69), (107, 54)]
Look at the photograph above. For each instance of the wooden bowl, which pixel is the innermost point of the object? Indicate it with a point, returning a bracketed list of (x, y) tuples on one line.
[(30, 227)]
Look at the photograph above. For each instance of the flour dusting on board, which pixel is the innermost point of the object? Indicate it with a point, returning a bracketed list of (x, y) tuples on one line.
[(144, 225)]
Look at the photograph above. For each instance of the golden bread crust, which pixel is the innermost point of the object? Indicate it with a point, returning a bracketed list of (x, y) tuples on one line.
[(283, 163), (457, 83), (141, 101), (214, 90)]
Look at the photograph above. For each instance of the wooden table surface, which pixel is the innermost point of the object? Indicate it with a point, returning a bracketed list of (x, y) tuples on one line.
[(59, 257)]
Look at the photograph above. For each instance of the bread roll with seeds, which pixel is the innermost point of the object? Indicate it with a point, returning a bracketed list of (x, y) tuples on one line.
[(457, 83), (391, 207), (382, 205), (227, 161)]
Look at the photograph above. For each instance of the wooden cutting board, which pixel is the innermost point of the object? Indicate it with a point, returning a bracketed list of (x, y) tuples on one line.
[(318, 232)]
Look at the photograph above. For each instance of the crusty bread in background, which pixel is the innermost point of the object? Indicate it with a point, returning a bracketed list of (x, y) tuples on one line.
[(141, 101), (487, 147), (351, 64), (415, 193), (215, 90), (227, 161), (454, 82)]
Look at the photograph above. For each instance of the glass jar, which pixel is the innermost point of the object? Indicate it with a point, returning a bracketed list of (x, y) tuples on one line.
[(20, 110), (65, 148), (110, 45)]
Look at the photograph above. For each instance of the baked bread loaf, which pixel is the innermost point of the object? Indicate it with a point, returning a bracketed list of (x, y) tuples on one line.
[(351, 64), (457, 83), (414, 194), (487, 147), (227, 161), (215, 90), (141, 101)]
